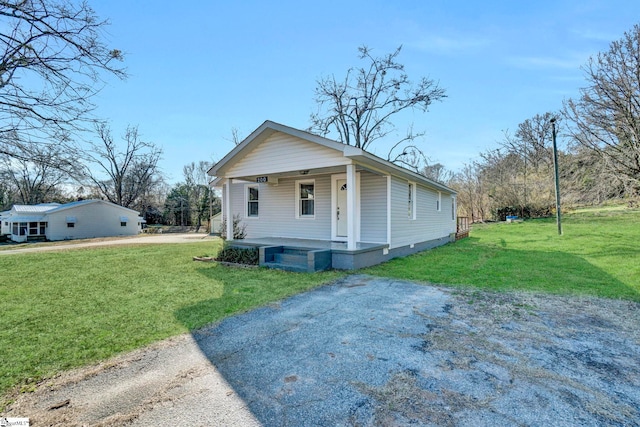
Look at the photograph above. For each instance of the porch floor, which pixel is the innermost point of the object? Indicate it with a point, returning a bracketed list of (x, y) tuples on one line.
[(308, 244)]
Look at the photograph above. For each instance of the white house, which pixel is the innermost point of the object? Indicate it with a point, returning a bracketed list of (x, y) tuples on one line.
[(76, 220), (297, 193)]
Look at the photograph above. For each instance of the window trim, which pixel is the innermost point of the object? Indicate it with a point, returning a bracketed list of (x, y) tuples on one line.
[(439, 202), (298, 201), (411, 200), (247, 201)]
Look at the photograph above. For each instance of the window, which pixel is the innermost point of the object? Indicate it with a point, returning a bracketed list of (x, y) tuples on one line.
[(33, 229), (411, 201), (253, 197), (123, 221), (453, 208), (43, 228), (123, 224), (15, 229), (305, 196), (71, 224), (439, 202)]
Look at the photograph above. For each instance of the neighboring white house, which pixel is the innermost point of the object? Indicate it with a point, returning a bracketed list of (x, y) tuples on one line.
[(76, 220), (4, 223), (284, 183)]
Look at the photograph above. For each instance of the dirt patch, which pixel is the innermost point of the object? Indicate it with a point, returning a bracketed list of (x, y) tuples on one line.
[(371, 351), (569, 357)]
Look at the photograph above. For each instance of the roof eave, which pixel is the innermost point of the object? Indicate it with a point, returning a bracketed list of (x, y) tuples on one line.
[(364, 157)]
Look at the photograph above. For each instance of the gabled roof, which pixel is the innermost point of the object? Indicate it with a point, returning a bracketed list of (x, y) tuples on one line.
[(358, 155), (264, 131), (72, 205)]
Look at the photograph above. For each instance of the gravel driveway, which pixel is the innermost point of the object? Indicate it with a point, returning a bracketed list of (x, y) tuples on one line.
[(371, 351)]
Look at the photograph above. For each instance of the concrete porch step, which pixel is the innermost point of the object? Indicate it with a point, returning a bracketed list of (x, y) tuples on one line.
[(295, 258), (291, 258), (286, 267)]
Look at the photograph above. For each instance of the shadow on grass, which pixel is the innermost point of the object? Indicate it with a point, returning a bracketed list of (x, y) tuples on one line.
[(245, 289)]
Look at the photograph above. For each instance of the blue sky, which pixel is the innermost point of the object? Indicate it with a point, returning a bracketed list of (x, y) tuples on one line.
[(199, 69)]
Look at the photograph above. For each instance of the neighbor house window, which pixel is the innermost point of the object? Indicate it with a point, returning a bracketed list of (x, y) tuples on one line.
[(411, 200), (305, 197), (14, 230), (439, 202), (71, 221), (71, 224), (253, 200), (43, 228), (123, 221)]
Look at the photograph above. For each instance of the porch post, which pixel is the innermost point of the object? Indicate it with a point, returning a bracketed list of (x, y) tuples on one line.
[(228, 212), (351, 207)]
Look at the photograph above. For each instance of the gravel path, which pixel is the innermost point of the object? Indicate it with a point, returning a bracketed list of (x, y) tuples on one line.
[(371, 351), (133, 240)]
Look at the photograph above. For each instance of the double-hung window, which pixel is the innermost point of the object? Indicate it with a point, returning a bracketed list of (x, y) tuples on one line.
[(411, 200), (253, 200), (305, 199), (453, 208)]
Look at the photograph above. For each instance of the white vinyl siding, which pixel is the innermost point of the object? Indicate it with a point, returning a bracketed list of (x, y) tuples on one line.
[(280, 151), (373, 208), (429, 223), (278, 210), (99, 219)]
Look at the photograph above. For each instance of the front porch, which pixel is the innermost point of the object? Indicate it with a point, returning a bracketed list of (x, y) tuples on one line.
[(308, 255)]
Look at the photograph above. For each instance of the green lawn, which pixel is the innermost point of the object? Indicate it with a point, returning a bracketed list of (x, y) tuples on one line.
[(598, 254), (66, 309)]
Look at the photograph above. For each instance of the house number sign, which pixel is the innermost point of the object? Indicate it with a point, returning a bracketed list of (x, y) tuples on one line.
[(262, 179)]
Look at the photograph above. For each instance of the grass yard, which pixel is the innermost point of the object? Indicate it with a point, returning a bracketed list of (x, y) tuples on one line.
[(66, 309), (598, 254)]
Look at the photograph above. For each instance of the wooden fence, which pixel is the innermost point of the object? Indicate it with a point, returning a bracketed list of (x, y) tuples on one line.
[(462, 230)]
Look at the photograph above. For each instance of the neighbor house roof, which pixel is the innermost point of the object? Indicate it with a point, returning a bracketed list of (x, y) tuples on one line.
[(268, 128), (34, 209), (25, 213), (72, 205)]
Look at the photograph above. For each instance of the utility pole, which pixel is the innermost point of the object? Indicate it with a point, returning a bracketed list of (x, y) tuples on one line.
[(555, 167)]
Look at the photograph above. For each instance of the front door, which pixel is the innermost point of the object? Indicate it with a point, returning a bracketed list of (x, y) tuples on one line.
[(341, 208)]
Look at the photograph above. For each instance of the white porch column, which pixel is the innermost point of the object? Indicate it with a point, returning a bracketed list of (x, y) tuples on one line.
[(228, 212), (351, 207)]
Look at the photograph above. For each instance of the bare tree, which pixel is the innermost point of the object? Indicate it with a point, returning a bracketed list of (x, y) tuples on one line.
[(360, 108), (123, 175), (36, 180), (199, 193), (606, 116), (437, 172), (52, 59)]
